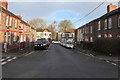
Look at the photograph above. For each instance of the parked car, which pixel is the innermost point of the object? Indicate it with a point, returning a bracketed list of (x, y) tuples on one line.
[(55, 42), (41, 44), (62, 43), (47, 43), (69, 45)]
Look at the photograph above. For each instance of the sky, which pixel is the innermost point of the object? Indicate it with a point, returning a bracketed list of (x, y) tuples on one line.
[(57, 11)]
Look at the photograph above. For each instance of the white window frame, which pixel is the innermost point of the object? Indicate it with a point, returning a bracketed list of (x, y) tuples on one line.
[(99, 25), (16, 21), (110, 23), (99, 36), (10, 21), (105, 24), (110, 35), (105, 35), (7, 19)]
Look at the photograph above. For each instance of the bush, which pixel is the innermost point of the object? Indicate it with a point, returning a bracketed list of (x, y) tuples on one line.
[(107, 46), (86, 45)]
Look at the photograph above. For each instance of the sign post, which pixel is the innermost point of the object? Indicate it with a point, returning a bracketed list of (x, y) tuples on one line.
[(20, 31)]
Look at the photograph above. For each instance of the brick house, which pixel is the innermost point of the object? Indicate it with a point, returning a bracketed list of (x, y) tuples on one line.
[(13, 30), (107, 26)]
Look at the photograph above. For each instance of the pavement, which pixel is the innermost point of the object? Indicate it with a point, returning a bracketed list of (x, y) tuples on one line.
[(17, 53), (115, 59), (59, 62)]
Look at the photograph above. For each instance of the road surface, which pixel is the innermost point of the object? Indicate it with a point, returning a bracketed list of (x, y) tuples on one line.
[(58, 62)]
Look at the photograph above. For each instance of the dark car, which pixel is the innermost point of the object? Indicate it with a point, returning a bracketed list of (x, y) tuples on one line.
[(48, 43), (41, 44)]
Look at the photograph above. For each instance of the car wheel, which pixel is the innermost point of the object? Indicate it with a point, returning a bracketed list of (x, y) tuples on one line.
[(35, 48), (46, 48)]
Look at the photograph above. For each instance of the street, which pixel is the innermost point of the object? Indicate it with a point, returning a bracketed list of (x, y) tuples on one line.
[(58, 62)]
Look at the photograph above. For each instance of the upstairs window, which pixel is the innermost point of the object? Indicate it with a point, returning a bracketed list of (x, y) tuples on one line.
[(0, 17), (10, 21), (119, 21), (99, 26), (109, 23), (7, 17), (91, 29), (105, 24), (16, 23)]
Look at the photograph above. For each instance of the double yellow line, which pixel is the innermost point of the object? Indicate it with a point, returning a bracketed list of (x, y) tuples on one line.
[(28, 53)]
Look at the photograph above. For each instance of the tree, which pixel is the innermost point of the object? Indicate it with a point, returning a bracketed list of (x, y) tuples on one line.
[(52, 28), (37, 22), (65, 24)]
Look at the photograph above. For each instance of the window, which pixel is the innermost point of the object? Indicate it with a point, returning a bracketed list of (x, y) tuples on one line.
[(86, 39), (9, 38), (70, 35), (110, 35), (7, 17), (91, 39), (91, 29), (109, 23), (63, 35), (99, 26), (105, 35), (105, 24), (99, 36), (118, 35), (10, 21), (85, 29), (15, 36), (16, 23), (119, 21), (0, 17)]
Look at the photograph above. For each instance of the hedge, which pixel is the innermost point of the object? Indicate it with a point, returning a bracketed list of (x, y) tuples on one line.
[(107, 46)]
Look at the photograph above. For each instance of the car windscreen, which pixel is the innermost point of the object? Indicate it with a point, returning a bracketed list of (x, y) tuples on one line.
[(69, 42), (41, 41)]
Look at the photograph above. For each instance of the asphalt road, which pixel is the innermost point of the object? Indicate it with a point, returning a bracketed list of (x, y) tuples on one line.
[(58, 62)]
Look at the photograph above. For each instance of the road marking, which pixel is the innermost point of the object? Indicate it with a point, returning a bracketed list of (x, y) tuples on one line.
[(9, 59), (3, 63), (29, 53), (2, 59), (114, 64), (14, 57)]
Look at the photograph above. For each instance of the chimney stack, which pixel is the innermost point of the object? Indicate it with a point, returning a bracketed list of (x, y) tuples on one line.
[(111, 7), (4, 4)]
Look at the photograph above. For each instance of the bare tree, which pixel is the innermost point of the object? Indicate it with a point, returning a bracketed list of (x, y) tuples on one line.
[(37, 22), (65, 24), (52, 28)]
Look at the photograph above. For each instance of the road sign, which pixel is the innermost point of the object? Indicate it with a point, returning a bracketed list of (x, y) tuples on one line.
[(8, 29), (20, 30)]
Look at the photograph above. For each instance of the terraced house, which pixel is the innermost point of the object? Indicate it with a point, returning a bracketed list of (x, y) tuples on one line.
[(106, 26), (14, 32)]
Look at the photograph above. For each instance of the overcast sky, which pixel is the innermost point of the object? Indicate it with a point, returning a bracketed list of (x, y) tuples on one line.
[(58, 11)]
